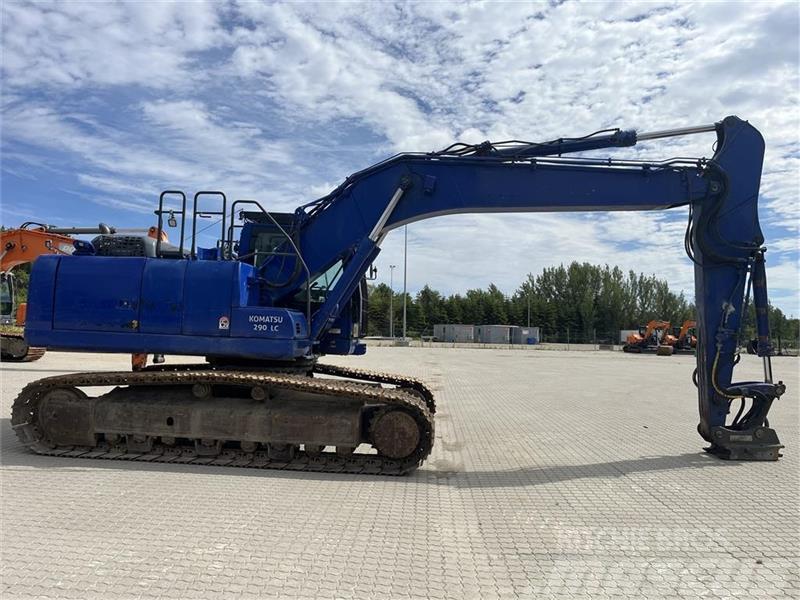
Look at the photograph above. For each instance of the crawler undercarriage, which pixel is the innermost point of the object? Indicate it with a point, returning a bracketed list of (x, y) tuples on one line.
[(200, 414), (14, 348)]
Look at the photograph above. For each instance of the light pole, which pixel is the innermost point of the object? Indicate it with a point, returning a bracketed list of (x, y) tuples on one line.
[(391, 300), (405, 277)]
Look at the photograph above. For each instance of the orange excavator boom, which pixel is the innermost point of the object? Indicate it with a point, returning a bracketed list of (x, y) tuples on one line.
[(23, 245), (643, 340), (31, 240), (654, 325), (687, 325)]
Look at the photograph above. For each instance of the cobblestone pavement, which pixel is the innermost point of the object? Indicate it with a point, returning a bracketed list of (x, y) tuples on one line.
[(554, 474)]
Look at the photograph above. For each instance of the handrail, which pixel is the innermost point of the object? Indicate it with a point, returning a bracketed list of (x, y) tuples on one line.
[(195, 214), (232, 227), (291, 241), (160, 213)]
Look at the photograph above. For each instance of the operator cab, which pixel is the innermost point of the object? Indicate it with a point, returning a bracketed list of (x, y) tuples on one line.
[(268, 242), (260, 236), (7, 291)]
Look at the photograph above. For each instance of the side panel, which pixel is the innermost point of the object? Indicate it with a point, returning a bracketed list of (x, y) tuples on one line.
[(243, 293), (98, 293), (41, 293), (197, 345), (207, 297), (178, 304), (162, 296)]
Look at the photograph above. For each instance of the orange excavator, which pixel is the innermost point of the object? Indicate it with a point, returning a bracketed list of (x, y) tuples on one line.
[(17, 247), (681, 341), (648, 339)]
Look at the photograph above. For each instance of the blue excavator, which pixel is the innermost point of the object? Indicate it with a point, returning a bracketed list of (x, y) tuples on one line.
[(277, 291)]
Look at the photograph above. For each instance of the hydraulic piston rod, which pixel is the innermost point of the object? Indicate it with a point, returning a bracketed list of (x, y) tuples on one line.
[(617, 139), (764, 345), (665, 133)]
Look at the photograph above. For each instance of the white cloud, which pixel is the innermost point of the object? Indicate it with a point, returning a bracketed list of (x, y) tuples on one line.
[(783, 279), (456, 253), (782, 245), (282, 101), (183, 147), (81, 43)]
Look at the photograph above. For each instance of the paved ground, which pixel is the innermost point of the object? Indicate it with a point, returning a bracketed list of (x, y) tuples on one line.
[(554, 474)]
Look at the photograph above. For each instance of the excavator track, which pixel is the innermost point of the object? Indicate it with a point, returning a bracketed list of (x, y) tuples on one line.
[(14, 348), (391, 410), (379, 377), (401, 381)]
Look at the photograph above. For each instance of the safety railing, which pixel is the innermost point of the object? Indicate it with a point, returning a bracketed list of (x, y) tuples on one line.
[(171, 219), (296, 251), (223, 251)]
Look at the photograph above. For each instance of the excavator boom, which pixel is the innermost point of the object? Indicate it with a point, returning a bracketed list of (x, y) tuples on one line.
[(687, 325), (291, 288), (25, 244), (649, 338)]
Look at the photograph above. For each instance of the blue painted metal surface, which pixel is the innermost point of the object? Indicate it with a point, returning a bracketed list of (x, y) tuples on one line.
[(263, 348), (208, 294), (162, 297), (98, 294), (764, 346), (119, 304), (726, 237), (41, 293), (254, 307)]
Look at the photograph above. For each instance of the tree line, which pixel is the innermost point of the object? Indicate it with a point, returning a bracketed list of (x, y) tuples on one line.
[(580, 302)]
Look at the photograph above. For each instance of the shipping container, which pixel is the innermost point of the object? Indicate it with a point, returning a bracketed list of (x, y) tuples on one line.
[(525, 335), (494, 334), (454, 333)]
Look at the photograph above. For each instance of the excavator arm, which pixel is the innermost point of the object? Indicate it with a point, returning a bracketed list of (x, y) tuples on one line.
[(28, 242), (654, 325), (687, 325), (723, 239), (32, 240)]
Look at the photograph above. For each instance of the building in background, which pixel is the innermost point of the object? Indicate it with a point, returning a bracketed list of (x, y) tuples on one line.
[(485, 334), (525, 335), (494, 334), (454, 332)]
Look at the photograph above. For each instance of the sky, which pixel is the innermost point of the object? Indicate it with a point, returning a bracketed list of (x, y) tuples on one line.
[(106, 104)]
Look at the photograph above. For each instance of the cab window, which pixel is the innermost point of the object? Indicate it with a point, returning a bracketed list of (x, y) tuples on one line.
[(321, 284), (6, 296), (266, 244)]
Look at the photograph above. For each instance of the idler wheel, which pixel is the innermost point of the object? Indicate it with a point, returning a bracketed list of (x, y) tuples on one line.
[(66, 418), (395, 433)]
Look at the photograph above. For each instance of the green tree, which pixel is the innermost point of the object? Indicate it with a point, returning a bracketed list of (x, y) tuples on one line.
[(431, 310), (589, 301), (378, 310)]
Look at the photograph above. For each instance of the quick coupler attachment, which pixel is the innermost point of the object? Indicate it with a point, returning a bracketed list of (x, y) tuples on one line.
[(760, 443)]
